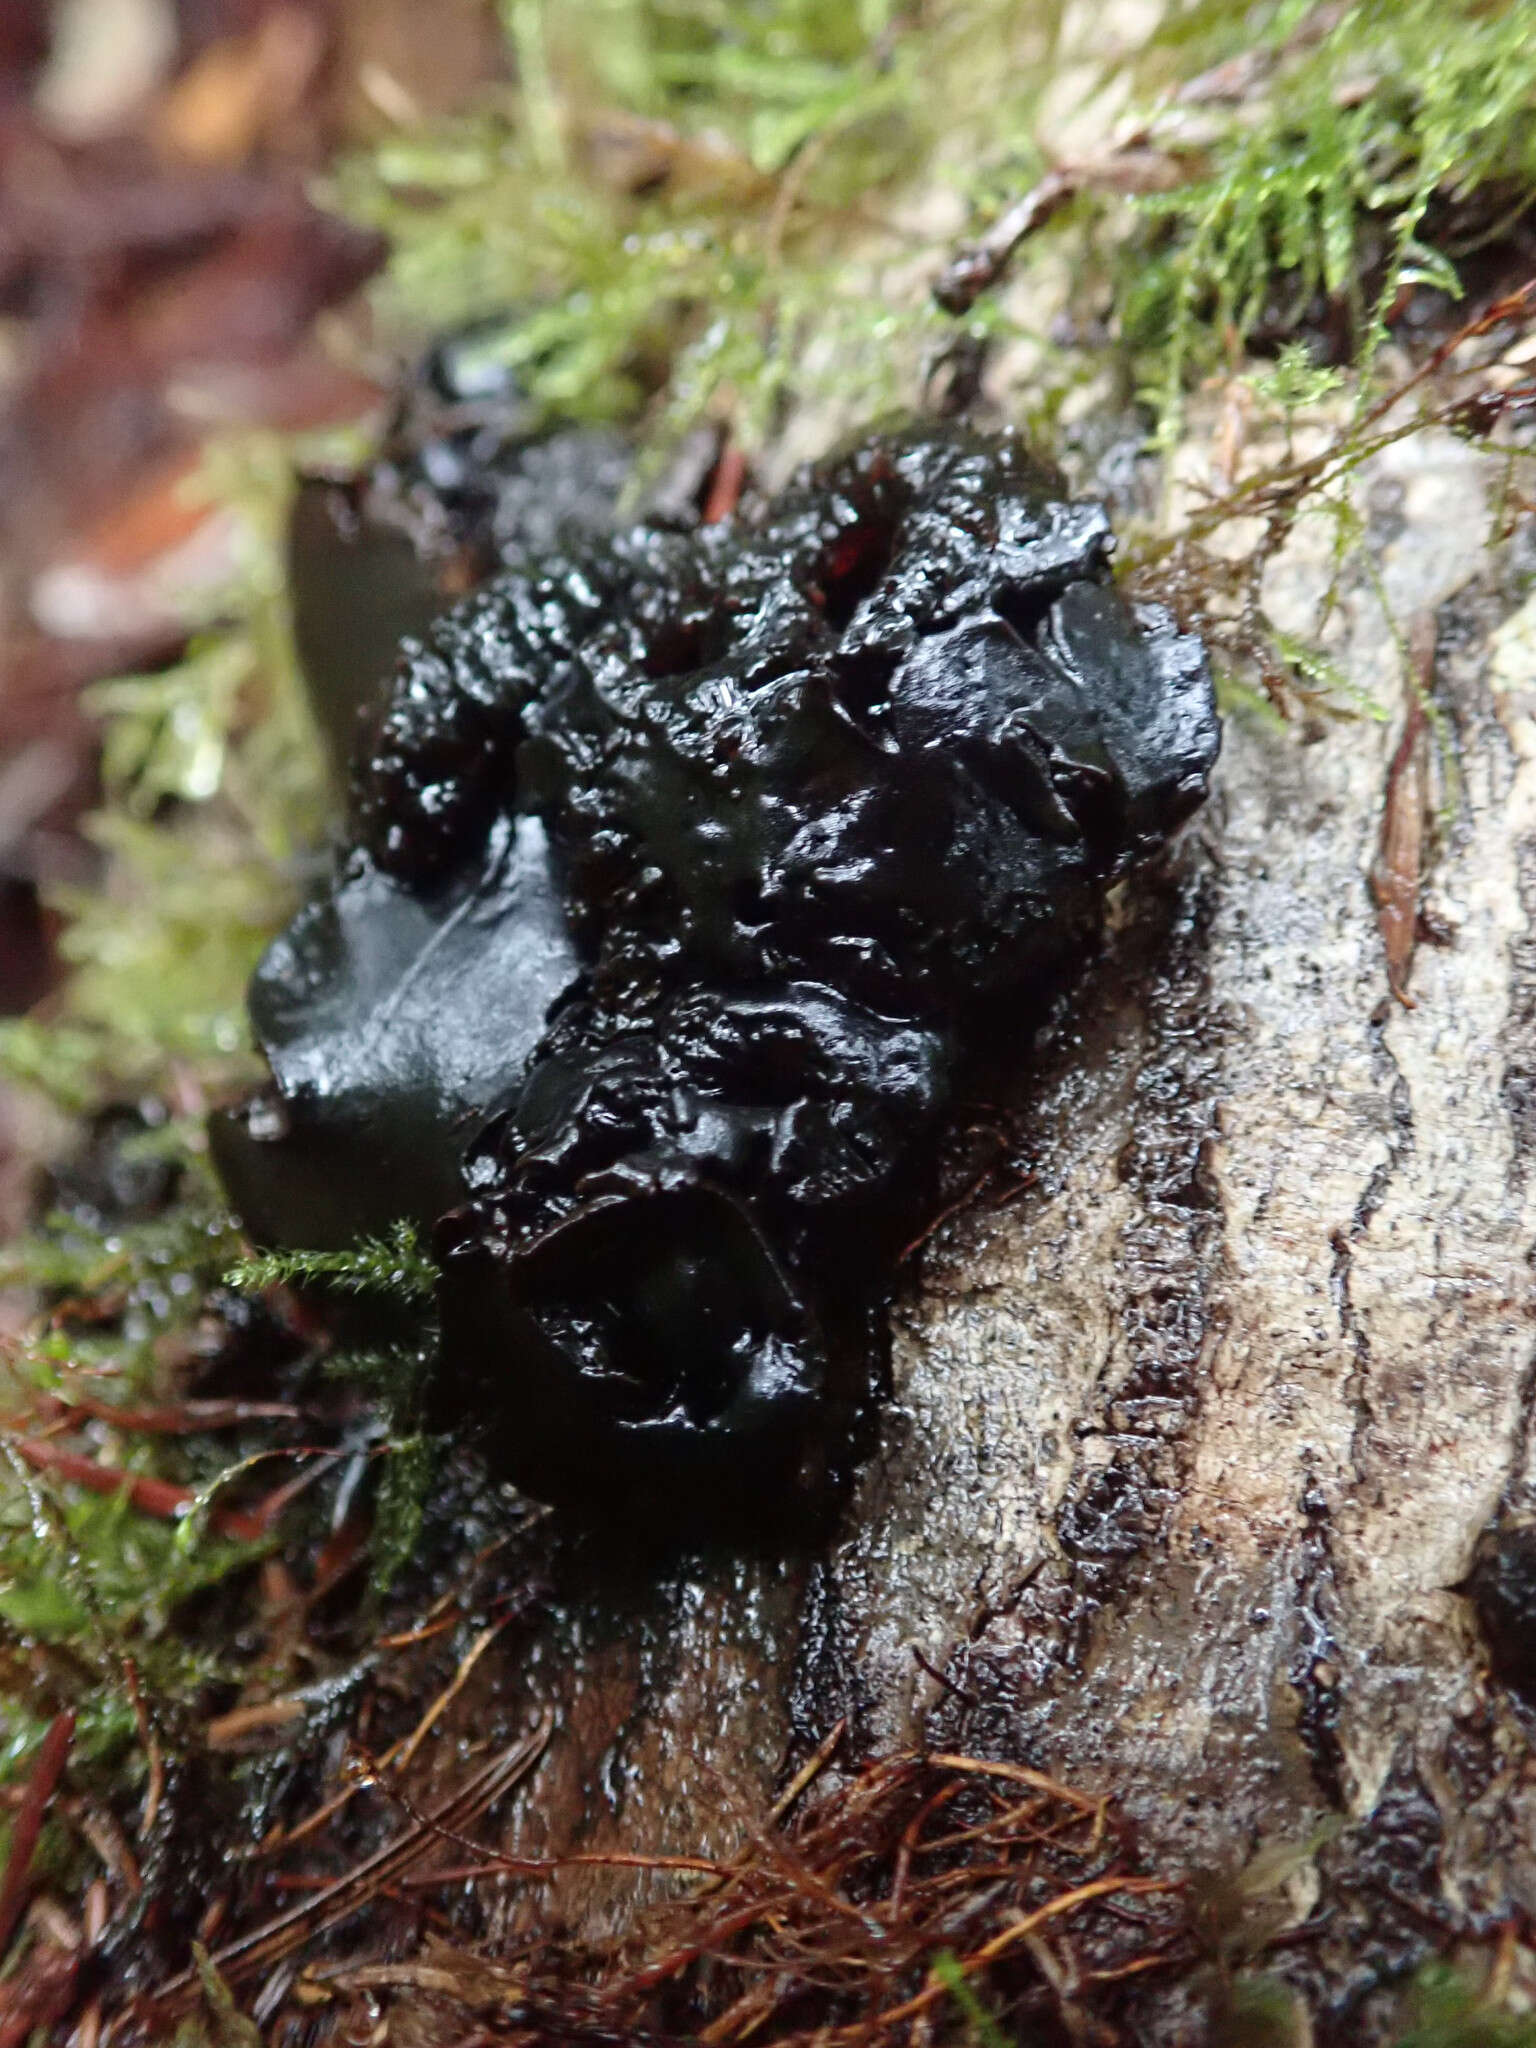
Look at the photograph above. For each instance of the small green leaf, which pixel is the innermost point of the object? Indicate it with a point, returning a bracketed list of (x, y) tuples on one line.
[(981, 2027)]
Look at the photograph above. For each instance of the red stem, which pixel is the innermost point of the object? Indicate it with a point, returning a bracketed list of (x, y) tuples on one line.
[(726, 484), (46, 1772), (157, 1497)]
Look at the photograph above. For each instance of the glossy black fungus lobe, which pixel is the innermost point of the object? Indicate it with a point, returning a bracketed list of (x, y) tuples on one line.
[(466, 475), (686, 871)]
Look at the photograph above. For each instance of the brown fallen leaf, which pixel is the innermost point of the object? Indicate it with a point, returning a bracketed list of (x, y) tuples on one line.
[(25, 32), (147, 283), (1397, 872)]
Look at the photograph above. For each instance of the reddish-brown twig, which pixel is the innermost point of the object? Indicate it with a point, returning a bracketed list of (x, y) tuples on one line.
[(52, 1754), (158, 1497)]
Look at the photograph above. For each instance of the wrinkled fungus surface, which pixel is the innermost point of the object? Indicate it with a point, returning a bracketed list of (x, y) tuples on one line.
[(467, 475), (686, 870)]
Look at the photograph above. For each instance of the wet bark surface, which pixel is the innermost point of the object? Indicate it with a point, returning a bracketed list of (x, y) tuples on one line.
[(1195, 1436)]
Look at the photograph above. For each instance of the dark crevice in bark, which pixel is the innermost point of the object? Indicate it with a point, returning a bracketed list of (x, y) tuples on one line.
[(1117, 1511), (1314, 1672), (1400, 1144)]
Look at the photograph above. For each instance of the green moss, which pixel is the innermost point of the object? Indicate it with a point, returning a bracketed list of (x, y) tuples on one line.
[(1324, 184), (395, 1265), (149, 1268), (86, 1567), (221, 2024), (981, 2029), (214, 797), (801, 134), (1447, 2009), (764, 252), (399, 1506)]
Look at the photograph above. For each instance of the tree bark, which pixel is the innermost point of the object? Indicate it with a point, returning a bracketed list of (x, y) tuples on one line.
[(1194, 1437)]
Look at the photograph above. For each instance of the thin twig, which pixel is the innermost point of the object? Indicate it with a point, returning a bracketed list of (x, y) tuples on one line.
[(149, 1741), (399, 1753), (1018, 1774), (47, 1769), (1067, 1902), (289, 1931), (158, 1497), (808, 1772)]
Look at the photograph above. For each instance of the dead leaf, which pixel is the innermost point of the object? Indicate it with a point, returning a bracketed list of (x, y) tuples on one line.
[(1397, 872)]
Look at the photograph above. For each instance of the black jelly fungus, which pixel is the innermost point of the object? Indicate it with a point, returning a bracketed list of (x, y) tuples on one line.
[(685, 870), (466, 474)]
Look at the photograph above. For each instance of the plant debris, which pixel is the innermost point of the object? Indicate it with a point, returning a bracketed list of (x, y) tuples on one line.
[(336, 1902), (1475, 383), (855, 1920)]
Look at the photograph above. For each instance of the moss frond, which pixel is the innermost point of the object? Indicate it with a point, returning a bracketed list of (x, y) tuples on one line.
[(982, 2029), (1322, 184), (136, 1263), (719, 216), (399, 1505), (393, 1265), (97, 1571)]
